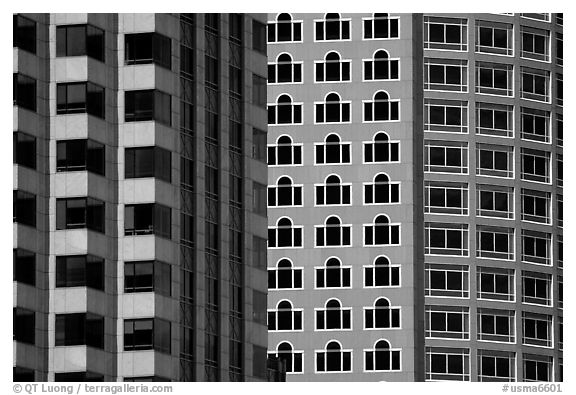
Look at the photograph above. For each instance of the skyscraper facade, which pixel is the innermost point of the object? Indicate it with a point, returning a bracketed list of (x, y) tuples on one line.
[(135, 226)]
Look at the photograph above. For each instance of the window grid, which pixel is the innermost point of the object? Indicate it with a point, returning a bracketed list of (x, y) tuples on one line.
[(495, 201), (536, 206), (381, 274), (381, 149), (495, 284), (535, 84), (381, 27), (447, 364), (496, 366), (284, 70), (496, 325), (284, 30), (536, 288), (446, 198), (445, 33), (333, 275), (445, 157), (535, 165), (494, 242), (284, 152), (535, 44), (446, 75), (536, 329), (494, 38), (536, 247), (494, 119), (381, 67), (450, 116), (447, 322), (382, 190), (443, 280), (446, 239), (382, 358), (494, 160), (535, 125), (494, 79)]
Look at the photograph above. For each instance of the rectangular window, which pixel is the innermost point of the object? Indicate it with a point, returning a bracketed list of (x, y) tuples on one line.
[(494, 242), (495, 38), (538, 367), (24, 208), (80, 271), (494, 79), (141, 162), (495, 284), (446, 75), (447, 280), (24, 150), (536, 329), (494, 160), (447, 364), (144, 219), (24, 33), (496, 366), (143, 48), (559, 49), (536, 206), (260, 195), (80, 97), (537, 288), (147, 105), (495, 119), (259, 91), (147, 276), (79, 213), (535, 43), (537, 16), (333, 27), (446, 157), (80, 40), (535, 124), (24, 266), (559, 130), (381, 26), (536, 247), (495, 201), (284, 29), (447, 322), (23, 325), (259, 139), (446, 239), (535, 84), (449, 116), (259, 37), (80, 155), (560, 210), (446, 198), (24, 91), (535, 165), (79, 329), (559, 89), (147, 334), (445, 33), (259, 246), (496, 325)]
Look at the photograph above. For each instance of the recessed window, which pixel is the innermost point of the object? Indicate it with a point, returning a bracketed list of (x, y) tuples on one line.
[(536, 329), (259, 37), (24, 208), (80, 213), (333, 316), (332, 110), (446, 157), (494, 79), (381, 149), (284, 234), (447, 364), (381, 67), (284, 152), (381, 274), (24, 150), (494, 160), (536, 247), (284, 70), (381, 108), (381, 232), (24, 34), (333, 274), (381, 26), (445, 33), (24, 91), (560, 210), (535, 84), (445, 116), (496, 325), (333, 359), (382, 190), (147, 219), (535, 124), (147, 334), (147, 276), (447, 322), (80, 155), (259, 91), (285, 317), (447, 280), (285, 275), (446, 198), (446, 239), (23, 325), (537, 367), (382, 358), (332, 68), (446, 75), (381, 315), (495, 284), (80, 40), (80, 97), (284, 111), (496, 366), (23, 375), (333, 233), (331, 28), (539, 16), (535, 165), (291, 358), (333, 192), (259, 138), (79, 329), (284, 193), (284, 29), (141, 162), (537, 288), (80, 271), (332, 151), (495, 201), (536, 206), (24, 266), (78, 376), (495, 119), (535, 43), (494, 242), (494, 38), (147, 105), (143, 48), (559, 89), (559, 49)]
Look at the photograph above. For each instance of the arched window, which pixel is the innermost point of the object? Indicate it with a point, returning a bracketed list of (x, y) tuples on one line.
[(381, 150), (332, 110), (381, 232), (332, 28), (284, 193), (284, 276), (332, 68), (381, 191), (333, 274), (333, 233), (333, 316), (381, 67), (382, 273), (381, 108), (333, 358), (284, 111), (284, 317), (382, 358), (292, 359), (284, 234), (382, 315), (332, 151), (284, 29), (284, 70), (333, 192), (284, 152), (381, 26)]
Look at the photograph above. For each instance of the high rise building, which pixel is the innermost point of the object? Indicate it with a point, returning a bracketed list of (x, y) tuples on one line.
[(139, 253), (415, 196)]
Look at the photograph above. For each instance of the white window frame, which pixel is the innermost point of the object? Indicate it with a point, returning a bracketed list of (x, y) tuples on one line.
[(295, 190), (374, 184), (509, 28), (445, 146), (342, 228), (446, 46), (529, 199), (341, 144), (462, 187), (529, 318), (532, 155), (323, 271), (493, 131), (340, 20), (446, 333), (293, 67), (533, 95), (372, 310), (390, 352), (372, 103), (537, 278), (342, 104), (293, 24), (494, 272), (446, 64), (294, 272), (464, 353), (490, 334), (325, 310), (372, 20), (495, 190), (325, 63), (531, 237), (491, 233), (372, 63), (463, 251), (294, 229), (493, 90), (446, 105), (493, 150), (533, 114), (534, 33), (497, 355), (325, 352), (391, 146), (445, 269), (391, 268), (293, 312), (293, 353), (292, 105), (372, 227), (321, 190), (293, 147)]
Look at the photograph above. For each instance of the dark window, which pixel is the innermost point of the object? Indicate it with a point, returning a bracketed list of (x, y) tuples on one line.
[(259, 138), (259, 37), (259, 91), (143, 219), (332, 28), (147, 334), (147, 162), (148, 105), (381, 26), (24, 150), (147, 276), (284, 29), (78, 377), (23, 325), (80, 40), (24, 34), (80, 155), (144, 48), (24, 91), (22, 375), (79, 213), (260, 254), (79, 329), (80, 97), (235, 27), (24, 208), (23, 266), (80, 271)]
